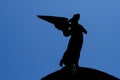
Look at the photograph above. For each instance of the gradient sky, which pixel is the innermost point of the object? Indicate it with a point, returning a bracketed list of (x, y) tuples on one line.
[(31, 48)]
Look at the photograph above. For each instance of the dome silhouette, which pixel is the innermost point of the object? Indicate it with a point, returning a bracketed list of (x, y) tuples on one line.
[(83, 73)]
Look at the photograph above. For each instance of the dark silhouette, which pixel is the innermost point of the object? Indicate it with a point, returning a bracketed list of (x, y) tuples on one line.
[(83, 73), (72, 54), (73, 29), (61, 23), (71, 70)]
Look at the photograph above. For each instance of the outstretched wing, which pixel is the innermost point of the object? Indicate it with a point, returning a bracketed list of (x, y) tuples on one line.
[(59, 22)]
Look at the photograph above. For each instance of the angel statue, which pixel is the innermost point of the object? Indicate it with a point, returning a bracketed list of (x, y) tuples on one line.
[(73, 29), (70, 59)]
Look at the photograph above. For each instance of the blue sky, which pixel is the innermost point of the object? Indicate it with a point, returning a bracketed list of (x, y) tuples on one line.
[(31, 48)]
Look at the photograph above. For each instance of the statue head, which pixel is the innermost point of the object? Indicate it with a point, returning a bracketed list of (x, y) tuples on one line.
[(75, 18)]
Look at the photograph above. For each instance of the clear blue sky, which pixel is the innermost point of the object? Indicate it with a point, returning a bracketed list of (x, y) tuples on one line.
[(31, 48)]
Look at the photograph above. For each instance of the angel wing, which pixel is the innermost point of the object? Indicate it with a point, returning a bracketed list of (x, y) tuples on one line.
[(61, 23)]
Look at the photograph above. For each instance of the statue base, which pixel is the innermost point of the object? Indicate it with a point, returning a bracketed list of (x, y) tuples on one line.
[(79, 73)]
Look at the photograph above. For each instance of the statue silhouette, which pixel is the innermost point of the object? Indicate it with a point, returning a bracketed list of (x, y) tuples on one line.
[(71, 70), (69, 28), (72, 54)]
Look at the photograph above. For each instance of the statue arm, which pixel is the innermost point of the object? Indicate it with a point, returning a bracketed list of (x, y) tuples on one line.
[(83, 29)]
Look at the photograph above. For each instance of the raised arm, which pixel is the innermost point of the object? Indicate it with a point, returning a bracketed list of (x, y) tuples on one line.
[(83, 29)]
